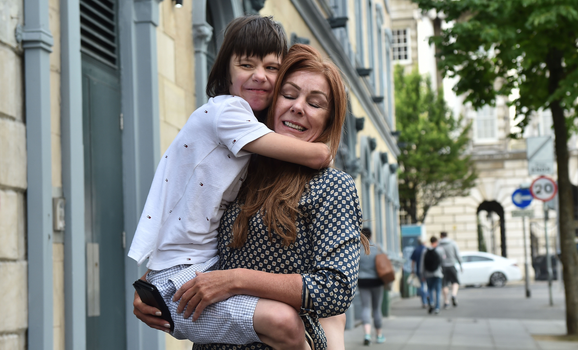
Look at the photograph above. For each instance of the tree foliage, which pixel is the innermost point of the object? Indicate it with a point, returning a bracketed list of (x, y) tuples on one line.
[(496, 47), (432, 144)]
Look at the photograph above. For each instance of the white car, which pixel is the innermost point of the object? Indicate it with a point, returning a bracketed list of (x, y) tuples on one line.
[(484, 268)]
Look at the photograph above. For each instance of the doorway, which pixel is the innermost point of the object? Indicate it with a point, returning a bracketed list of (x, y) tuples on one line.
[(105, 324), (488, 227), (103, 189)]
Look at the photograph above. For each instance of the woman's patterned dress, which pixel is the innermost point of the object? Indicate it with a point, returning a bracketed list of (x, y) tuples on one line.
[(326, 252)]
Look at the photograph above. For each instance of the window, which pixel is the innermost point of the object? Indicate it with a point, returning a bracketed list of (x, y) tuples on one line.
[(381, 71), (485, 125), (359, 32), (388, 79), (370, 42), (401, 46), (474, 258), (98, 31)]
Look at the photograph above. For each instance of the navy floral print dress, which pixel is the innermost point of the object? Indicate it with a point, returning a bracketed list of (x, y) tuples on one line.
[(326, 252)]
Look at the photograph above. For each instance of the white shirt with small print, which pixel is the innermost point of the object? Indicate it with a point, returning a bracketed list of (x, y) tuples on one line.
[(198, 176)]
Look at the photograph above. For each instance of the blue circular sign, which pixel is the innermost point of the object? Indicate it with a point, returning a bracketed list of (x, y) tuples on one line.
[(522, 197)]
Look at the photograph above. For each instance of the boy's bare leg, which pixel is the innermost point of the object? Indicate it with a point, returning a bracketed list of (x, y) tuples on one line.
[(334, 328), (279, 326)]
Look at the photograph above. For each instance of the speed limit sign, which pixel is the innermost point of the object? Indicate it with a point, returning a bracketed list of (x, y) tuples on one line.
[(543, 188)]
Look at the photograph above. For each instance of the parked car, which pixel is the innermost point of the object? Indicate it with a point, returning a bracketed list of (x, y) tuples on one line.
[(484, 268)]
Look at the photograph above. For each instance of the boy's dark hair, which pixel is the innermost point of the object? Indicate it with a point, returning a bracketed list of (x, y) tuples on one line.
[(433, 239), (366, 232), (245, 36), (443, 234)]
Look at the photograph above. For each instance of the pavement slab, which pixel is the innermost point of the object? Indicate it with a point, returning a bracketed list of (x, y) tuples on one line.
[(485, 319)]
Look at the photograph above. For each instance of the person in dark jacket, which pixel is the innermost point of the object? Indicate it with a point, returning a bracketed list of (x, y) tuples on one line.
[(432, 274), (415, 268), (371, 292)]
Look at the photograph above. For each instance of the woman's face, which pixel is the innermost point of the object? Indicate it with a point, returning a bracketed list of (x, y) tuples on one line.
[(302, 108)]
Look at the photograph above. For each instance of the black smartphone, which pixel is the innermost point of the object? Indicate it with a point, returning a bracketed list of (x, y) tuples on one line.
[(150, 295)]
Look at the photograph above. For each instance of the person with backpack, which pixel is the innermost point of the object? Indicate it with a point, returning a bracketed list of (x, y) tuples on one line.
[(449, 269), (431, 267)]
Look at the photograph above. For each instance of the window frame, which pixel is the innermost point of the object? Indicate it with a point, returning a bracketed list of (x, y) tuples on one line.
[(395, 45)]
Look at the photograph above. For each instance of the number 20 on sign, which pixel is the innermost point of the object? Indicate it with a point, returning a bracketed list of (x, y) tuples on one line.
[(544, 188)]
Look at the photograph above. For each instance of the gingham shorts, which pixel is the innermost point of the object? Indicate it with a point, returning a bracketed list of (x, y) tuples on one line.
[(229, 321)]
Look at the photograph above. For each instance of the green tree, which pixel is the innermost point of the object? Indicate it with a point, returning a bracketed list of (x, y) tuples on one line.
[(432, 144), (497, 46)]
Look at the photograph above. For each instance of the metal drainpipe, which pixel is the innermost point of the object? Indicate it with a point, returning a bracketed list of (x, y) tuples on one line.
[(37, 44)]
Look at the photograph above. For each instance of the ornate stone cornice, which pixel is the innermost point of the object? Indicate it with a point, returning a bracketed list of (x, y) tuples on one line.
[(509, 155)]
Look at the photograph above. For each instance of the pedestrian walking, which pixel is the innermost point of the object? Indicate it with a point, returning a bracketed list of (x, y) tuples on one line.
[(415, 268), (431, 265), (371, 291), (452, 255)]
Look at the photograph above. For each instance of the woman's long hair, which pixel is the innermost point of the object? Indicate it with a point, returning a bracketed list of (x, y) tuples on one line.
[(275, 187)]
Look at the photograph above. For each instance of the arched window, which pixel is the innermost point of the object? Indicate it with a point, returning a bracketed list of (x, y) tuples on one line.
[(394, 190), (366, 178), (379, 197), (387, 205)]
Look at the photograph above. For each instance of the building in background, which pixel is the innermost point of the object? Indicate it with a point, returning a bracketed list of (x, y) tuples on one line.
[(501, 163), (92, 93)]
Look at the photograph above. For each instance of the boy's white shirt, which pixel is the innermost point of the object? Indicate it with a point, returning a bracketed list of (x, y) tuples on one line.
[(198, 176)]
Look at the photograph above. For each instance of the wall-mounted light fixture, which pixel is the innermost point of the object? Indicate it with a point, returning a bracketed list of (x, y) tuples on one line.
[(337, 22), (178, 3), (364, 72), (359, 123)]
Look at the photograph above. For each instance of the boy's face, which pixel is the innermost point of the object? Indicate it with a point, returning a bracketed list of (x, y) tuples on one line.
[(253, 79)]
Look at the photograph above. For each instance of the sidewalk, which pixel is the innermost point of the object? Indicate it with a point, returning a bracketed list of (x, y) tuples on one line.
[(468, 328)]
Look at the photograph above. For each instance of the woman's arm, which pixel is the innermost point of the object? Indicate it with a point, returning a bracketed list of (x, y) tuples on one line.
[(215, 286), (315, 155), (330, 286)]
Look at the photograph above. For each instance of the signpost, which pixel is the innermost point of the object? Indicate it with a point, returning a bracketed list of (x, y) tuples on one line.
[(545, 189), (540, 154), (522, 198)]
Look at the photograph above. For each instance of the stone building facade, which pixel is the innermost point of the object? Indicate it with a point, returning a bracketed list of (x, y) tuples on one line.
[(13, 181), (92, 93)]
